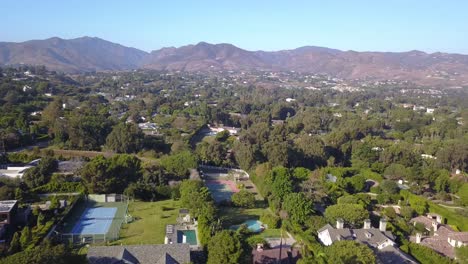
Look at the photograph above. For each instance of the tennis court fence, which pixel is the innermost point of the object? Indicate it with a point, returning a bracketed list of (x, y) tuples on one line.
[(120, 218)]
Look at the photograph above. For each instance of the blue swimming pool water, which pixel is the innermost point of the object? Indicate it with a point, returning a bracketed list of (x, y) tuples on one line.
[(253, 225), (190, 234)]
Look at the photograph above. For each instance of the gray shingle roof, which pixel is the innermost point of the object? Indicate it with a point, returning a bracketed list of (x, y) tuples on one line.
[(372, 236), (143, 254)]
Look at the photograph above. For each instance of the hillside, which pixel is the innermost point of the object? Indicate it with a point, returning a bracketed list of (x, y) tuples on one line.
[(94, 54)]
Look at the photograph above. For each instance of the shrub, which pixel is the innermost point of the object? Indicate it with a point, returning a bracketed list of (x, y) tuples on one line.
[(426, 255), (271, 220), (375, 189), (243, 198)]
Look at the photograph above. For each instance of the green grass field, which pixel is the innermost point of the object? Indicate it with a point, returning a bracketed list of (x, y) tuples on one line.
[(453, 218), (150, 220)]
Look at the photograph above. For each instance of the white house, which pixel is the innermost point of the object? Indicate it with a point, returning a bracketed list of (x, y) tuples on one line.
[(231, 130), (377, 238), (14, 172), (458, 239)]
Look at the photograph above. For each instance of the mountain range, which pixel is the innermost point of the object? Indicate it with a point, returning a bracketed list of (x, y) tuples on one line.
[(94, 54)]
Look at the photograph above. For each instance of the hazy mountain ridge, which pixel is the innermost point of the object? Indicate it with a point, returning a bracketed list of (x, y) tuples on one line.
[(74, 55), (94, 54)]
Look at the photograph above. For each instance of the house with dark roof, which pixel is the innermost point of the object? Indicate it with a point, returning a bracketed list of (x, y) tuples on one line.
[(378, 239), (279, 255), (141, 254)]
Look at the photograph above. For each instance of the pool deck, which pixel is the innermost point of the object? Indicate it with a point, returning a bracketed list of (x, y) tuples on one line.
[(171, 233)]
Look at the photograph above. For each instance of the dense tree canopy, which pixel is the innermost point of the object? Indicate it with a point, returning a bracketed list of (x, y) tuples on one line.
[(224, 248), (125, 138), (243, 198), (352, 214), (346, 252), (111, 175)]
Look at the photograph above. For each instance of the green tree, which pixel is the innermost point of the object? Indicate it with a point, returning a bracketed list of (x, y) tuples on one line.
[(54, 203), (15, 244), (111, 175), (195, 197), (224, 248), (301, 174), (125, 138), (463, 193), (46, 252), (243, 198), (442, 183), (41, 219), (389, 187), (407, 212), (40, 175), (349, 252), (357, 183), (419, 204), (281, 182), (180, 163), (26, 237), (7, 192), (352, 214), (298, 207), (395, 172), (211, 152)]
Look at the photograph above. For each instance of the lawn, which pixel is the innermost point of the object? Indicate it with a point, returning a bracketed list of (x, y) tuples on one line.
[(150, 220), (453, 218)]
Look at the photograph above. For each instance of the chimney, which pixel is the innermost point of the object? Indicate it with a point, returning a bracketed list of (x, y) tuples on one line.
[(418, 238), (259, 247), (367, 224), (383, 225), (439, 219), (435, 225), (339, 223)]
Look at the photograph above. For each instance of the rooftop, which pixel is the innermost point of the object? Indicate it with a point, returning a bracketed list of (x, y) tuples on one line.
[(7, 205), (143, 254)]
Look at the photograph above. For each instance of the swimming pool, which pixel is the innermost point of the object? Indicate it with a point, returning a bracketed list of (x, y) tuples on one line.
[(253, 225), (191, 237)]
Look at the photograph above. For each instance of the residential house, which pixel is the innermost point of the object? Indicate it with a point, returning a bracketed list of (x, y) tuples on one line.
[(8, 212), (283, 255), (440, 237), (218, 129), (140, 254), (378, 239)]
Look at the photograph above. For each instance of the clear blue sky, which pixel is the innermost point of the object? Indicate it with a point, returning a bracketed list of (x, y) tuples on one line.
[(378, 25)]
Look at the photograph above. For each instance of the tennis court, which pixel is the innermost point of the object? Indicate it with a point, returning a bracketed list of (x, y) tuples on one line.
[(95, 221), (92, 222), (221, 190)]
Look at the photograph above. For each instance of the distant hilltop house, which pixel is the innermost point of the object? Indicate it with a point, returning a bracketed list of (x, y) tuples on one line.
[(378, 239), (148, 126), (428, 156), (443, 239), (219, 129)]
